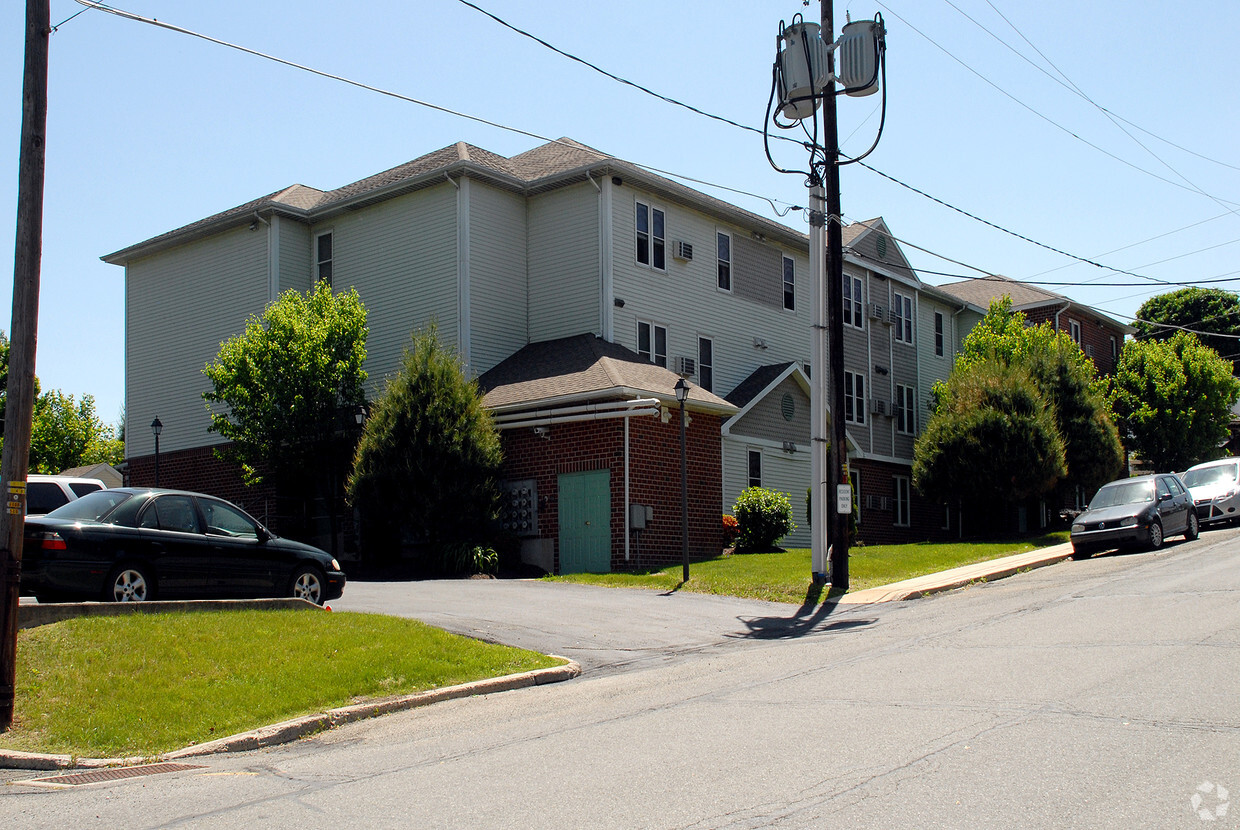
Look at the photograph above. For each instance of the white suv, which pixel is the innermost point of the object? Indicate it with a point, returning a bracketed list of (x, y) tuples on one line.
[(1215, 486), (46, 493)]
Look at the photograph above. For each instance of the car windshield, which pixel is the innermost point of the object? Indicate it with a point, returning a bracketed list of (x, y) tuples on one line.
[(1114, 495), (1205, 476), (91, 507)]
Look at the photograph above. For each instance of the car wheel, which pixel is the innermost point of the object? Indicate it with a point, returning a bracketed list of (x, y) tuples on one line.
[(1155, 538), (129, 583), (308, 583), (1194, 527)]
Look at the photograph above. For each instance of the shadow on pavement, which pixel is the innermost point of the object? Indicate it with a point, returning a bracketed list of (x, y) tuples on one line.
[(808, 618)]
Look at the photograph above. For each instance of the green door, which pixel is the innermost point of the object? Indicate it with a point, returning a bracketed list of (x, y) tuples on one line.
[(585, 522)]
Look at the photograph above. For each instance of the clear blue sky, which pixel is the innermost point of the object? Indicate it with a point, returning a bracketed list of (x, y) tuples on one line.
[(149, 130)]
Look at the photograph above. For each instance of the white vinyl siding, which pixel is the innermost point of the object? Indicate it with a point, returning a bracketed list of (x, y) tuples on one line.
[(497, 276), (295, 259), (401, 256), (788, 474), (564, 263), (179, 306)]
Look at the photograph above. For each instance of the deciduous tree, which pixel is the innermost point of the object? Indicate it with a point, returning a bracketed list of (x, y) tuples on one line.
[(1173, 400), (1213, 314)]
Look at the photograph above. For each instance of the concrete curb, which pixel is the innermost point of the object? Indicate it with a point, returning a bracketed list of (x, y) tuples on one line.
[(292, 730), (960, 577)]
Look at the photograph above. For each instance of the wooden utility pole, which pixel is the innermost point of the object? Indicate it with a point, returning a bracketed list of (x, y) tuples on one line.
[(838, 526), (23, 334)]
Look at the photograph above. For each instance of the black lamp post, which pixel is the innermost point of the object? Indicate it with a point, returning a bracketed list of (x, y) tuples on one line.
[(157, 426), (682, 393)]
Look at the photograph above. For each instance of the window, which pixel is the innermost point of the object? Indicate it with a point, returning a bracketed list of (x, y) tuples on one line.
[(651, 245), (1114, 349), (903, 501), (790, 286), (323, 257), (652, 342), (723, 245), (852, 301), (1075, 329), (902, 316), (906, 410), (938, 333), (854, 398), (706, 364), (755, 468)]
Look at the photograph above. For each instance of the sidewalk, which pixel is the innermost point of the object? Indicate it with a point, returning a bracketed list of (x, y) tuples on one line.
[(959, 577)]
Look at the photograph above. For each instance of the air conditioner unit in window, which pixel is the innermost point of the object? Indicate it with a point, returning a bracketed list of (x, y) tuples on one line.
[(893, 315), (682, 251), (686, 366), (1089, 351), (877, 312), (878, 406)]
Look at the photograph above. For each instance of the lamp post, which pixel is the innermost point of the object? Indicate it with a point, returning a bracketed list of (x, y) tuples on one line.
[(157, 426), (682, 393)]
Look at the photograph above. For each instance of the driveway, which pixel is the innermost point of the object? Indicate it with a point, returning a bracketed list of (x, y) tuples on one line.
[(603, 629)]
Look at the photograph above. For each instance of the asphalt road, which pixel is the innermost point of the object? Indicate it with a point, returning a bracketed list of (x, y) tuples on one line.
[(1096, 694)]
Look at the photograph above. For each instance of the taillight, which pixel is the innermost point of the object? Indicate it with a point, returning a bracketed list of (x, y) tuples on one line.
[(51, 541)]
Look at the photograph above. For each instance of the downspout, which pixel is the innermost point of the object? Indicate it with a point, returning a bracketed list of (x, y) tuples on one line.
[(1066, 306), (464, 334)]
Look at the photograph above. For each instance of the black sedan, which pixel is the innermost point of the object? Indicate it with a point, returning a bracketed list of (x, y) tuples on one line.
[(1143, 510), (132, 545)]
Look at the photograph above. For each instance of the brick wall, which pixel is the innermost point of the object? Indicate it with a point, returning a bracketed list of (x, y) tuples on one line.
[(654, 479)]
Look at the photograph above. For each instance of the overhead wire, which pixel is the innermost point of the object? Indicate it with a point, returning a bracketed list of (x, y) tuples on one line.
[(94, 4)]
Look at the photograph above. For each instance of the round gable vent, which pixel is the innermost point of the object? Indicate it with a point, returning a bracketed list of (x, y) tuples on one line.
[(788, 407)]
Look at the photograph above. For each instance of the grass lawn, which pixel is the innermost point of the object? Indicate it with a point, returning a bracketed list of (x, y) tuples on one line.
[(784, 576), (141, 684)]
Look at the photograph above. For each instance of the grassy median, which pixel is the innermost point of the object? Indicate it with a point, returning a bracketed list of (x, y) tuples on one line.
[(142, 684), (784, 576)]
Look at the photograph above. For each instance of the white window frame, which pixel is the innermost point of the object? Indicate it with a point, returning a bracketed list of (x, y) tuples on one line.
[(1074, 331), (330, 262), (902, 307), (939, 336), (706, 368), (854, 392), (906, 409), (652, 353), (1114, 349), (790, 283), (749, 464), (656, 245), (854, 307), (723, 265), (902, 502)]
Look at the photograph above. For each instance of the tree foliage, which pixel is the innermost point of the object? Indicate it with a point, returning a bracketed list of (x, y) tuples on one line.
[(991, 439), (1063, 378), (280, 386), (66, 433), (425, 472), (1208, 311), (1173, 400)]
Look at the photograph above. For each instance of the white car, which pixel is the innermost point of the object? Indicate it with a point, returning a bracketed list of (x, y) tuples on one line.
[(45, 493), (1215, 486)]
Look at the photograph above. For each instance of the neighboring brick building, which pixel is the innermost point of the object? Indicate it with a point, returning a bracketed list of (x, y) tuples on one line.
[(1099, 336)]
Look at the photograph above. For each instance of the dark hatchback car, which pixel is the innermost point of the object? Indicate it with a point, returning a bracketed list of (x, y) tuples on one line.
[(132, 545), (1143, 510)]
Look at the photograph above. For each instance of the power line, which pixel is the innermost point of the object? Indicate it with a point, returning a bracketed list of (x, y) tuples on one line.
[(1045, 118)]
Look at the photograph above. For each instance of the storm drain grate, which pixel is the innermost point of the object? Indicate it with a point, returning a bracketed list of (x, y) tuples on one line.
[(100, 776)]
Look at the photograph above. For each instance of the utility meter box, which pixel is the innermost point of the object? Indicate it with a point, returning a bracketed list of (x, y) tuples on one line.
[(519, 507), (640, 516)]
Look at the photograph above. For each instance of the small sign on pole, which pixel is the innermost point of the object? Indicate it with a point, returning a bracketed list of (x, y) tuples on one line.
[(843, 499)]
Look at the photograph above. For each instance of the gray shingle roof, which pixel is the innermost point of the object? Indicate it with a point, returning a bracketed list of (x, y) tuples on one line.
[(750, 387), (579, 368)]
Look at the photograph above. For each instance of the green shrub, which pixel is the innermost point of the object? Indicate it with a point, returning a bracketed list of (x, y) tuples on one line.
[(764, 516), (467, 560)]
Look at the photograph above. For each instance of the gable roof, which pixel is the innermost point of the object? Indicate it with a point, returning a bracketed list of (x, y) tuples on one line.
[(982, 291), (584, 367)]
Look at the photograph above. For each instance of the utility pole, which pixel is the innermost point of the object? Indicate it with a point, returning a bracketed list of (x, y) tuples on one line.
[(838, 526), (19, 406)]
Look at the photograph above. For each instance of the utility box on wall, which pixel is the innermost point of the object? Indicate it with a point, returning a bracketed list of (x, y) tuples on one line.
[(640, 516), (518, 511)]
